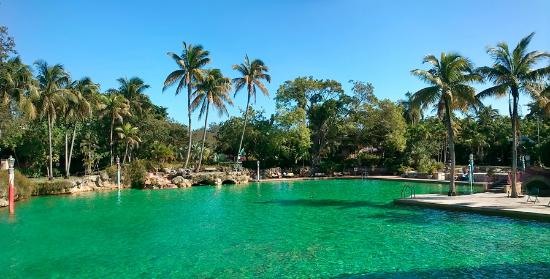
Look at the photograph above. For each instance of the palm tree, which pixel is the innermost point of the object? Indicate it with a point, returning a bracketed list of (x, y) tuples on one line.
[(78, 109), (512, 73), (130, 136), (133, 89), (190, 64), (449, 90), (252, 74), (412, 114), (116, 107), (52, 81), (213, 90), (18, 87)]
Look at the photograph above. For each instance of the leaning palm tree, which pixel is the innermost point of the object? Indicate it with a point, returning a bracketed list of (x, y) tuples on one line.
[(512, 73), (116, 107), (130, 136), (78, 109), (252, 74), (449, 90), (52, 81), (190, 64), (213, 90)]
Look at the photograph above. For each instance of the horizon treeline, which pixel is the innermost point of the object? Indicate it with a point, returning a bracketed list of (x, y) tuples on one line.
[(57, 125)]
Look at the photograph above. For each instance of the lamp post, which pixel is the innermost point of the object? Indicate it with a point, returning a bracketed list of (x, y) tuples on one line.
[(258, 170), (471, 176), (11, 184), (523, 162), (118, 172)]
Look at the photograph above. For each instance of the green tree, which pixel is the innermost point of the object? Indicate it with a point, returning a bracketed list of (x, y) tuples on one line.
[(449, 90), (252, 74), (212, 90), (512, 73), (78, 109), (7, 44), (413, 114), (130, 136), (294, 137), (324, 102), (116, 107), (190, 64), (52, 83), (18, 89), (133, 90)]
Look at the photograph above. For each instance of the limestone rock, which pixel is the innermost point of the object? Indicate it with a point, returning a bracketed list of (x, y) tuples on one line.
[(104, 176), (3, 202), (181, 182)]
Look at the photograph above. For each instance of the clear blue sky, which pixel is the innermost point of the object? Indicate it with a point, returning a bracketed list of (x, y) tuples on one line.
[(374, 41)]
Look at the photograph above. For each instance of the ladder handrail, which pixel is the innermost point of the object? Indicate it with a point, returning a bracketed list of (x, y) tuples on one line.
[(412, 191)]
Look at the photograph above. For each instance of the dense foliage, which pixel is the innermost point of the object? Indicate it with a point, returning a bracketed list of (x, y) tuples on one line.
[(57, 125)]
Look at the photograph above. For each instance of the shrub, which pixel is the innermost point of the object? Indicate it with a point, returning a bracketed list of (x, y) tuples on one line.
[(404, 169), (134, 174), (23, 185), (54, 187), (429, 166), (112, 172)]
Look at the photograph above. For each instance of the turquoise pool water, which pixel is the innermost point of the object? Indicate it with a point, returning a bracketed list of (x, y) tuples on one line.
[(304, 229)]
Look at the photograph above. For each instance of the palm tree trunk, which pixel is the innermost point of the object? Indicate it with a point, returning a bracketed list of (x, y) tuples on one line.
[(71, 152), (450, 136), (125, 154), (189, 130), (515, 94), (66, 154), (203, 136), (244, 126), (111, 138), (50, 172)]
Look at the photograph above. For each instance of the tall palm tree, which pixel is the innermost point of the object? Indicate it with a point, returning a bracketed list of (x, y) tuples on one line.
[(52, 83), (133, 89), (512, 73), (130, 137), (78, 109), (18, 88), (189, 72), (252, 74), (116, 107), (449, 90), (213, 90)]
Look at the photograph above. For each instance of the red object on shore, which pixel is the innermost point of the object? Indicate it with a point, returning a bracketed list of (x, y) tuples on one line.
[(11, 192)]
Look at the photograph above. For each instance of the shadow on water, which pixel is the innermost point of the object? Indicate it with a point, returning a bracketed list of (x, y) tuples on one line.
[(340, 204), (527, 270), (396, 217)]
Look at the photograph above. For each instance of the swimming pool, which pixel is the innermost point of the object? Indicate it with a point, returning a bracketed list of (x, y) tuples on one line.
[(326, 228)]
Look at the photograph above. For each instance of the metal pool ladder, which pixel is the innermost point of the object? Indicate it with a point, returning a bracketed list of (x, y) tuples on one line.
[(408, 189)]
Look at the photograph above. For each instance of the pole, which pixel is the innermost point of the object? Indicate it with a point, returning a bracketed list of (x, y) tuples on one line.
[(11, 185), (471, 176), (538, 139), (118, 172), (258, 170)]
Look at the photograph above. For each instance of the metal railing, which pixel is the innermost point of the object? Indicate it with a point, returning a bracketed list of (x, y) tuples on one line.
[(410, 190)]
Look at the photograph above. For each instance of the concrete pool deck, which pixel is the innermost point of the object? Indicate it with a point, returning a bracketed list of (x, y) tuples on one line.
[(485, 203)]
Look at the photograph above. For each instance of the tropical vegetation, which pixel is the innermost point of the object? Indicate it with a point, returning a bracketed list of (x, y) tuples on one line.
[(319, 124)]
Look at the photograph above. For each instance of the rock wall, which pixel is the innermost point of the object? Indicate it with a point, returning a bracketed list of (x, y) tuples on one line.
[(181, 178)]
